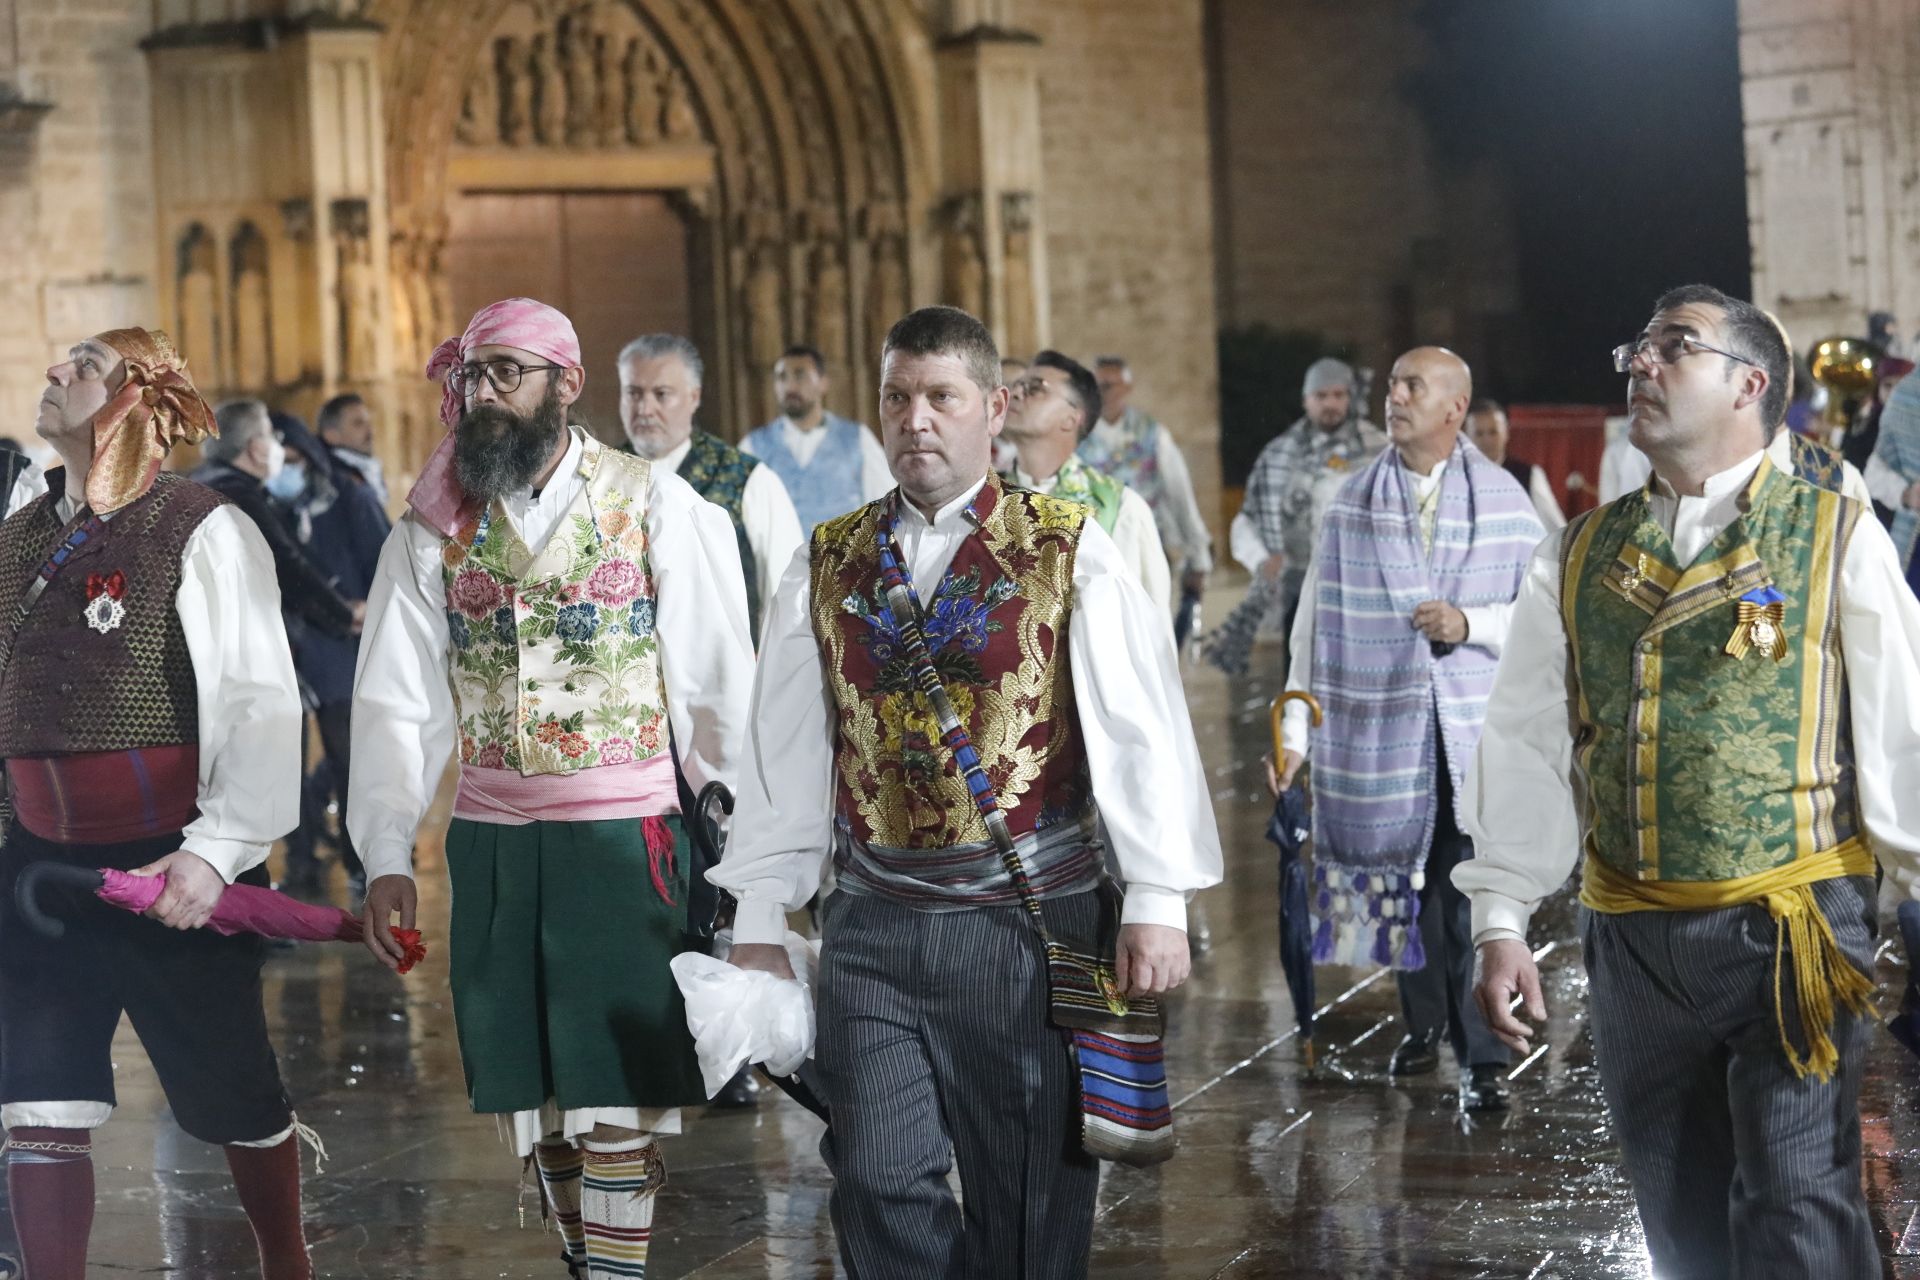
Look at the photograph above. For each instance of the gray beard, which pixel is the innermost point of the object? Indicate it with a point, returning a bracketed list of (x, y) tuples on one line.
[(496, 451)]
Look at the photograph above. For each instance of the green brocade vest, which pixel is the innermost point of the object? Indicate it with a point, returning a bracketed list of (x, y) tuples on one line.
[(1100, 494), (1698, 765)]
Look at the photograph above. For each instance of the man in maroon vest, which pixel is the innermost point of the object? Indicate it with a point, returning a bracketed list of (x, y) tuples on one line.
[(934, 1043), (149, 721)]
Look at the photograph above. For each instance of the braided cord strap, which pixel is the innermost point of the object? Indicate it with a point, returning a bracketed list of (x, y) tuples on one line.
[(904, 608)]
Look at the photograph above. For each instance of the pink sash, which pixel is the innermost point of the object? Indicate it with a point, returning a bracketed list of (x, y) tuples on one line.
[(642, 789)]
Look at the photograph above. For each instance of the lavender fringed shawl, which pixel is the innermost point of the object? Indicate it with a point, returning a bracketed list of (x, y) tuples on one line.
[(1379, 685)]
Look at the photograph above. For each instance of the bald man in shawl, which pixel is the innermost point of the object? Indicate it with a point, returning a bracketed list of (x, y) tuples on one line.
[(1400, 626), (150, 721), (573, 621)]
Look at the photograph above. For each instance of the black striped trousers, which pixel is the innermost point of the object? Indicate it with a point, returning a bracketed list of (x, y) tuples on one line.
[(933, 1048), (1742, 1170)]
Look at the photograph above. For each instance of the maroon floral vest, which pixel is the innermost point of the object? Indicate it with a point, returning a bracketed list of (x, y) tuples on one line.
[(997, 626)]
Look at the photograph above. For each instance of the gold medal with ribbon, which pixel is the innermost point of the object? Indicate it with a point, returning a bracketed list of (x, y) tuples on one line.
[(1760, 623)]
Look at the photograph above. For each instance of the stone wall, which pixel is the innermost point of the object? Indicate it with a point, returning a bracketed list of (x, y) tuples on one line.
[(1832, 108), (76, 188), (1125, 149)]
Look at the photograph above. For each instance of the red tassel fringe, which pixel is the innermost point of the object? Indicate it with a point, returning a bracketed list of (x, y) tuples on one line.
[(659, 855)]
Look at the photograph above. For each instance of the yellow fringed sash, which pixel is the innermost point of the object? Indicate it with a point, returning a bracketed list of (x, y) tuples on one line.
[(1823, 976)]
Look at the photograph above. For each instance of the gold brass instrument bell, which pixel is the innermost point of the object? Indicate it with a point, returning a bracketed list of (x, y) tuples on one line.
[(1849, 368)]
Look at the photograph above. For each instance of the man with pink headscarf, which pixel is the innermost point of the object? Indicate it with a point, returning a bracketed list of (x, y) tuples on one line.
[(574, 621)]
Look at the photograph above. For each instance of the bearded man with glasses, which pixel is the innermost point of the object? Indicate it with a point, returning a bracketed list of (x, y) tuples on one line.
[(1725, 666), (574, 619)]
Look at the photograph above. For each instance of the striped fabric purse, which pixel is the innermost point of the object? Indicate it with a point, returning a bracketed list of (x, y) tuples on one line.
[(1117, 1042)]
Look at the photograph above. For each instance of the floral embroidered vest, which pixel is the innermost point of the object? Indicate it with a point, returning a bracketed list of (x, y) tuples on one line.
[(555, 667), (1132, 458), (1078, 482), (718, 472), (1699, 765), (1818, 465), (997, 626)]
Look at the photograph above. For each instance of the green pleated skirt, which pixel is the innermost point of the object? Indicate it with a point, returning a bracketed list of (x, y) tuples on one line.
[(559, 951)]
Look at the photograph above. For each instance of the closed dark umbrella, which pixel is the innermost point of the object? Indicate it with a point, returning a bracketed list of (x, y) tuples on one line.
[(1289, 829)]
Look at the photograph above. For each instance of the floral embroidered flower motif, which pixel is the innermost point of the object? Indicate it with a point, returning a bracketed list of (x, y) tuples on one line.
[(640, 618), (577, 623), (616, 751), (549, 732), (505, 630), (491, 756), (573, 745), (615, 582), (647, 736), (475, 593), (458, 633)]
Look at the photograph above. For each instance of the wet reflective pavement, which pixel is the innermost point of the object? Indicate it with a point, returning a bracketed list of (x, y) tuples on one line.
[(1283, 1171)]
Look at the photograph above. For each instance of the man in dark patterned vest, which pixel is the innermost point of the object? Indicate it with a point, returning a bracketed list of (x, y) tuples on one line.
[(660, 379), (1711, 696), (149, 721), (934, 1044)]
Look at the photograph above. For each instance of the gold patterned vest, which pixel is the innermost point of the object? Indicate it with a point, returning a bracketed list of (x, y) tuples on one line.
[(555, 667), (997, 627), (1700, 765)]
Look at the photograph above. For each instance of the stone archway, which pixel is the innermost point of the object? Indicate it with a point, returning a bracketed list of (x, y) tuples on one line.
[(796, 136)]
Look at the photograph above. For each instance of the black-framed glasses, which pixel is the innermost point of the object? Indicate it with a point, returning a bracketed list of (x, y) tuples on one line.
[(505, 375), (1032, 385), (1668, 348)]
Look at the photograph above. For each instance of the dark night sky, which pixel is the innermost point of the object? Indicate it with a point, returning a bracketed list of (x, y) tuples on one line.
[(1618, 122)]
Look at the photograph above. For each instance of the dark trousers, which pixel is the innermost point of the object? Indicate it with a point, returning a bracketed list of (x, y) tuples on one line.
[(1742, 1170), (333, 720), (934, 1047), (193, 996), (1439, 998)]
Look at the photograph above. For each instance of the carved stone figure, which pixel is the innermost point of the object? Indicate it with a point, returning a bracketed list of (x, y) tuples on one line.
[(679, 120), (357, 292), (886, 293), (400, 273), (607, 123), (199, 305), (830, 304), (640, 78), (767, 336), (962, 259), (252, 338), (514, 68), (549, 94), (1016, 217), (479, 124), (576, 72)]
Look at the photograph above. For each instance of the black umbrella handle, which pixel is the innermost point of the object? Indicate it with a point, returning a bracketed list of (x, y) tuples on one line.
[(34, 876), (703, 832)]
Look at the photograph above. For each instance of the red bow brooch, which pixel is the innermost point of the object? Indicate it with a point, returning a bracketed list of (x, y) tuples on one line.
[(104, 611)]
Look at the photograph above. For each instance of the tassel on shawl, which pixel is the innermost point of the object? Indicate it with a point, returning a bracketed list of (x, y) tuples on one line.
[(660, 859)]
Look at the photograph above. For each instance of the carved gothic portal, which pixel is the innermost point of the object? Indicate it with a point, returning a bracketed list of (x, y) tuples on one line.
[(787, 139)]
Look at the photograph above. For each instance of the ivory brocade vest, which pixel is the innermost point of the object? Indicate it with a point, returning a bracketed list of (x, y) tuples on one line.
[(69, 686), (1698, 765), (997, 628), (1132, 457), (554, 664)]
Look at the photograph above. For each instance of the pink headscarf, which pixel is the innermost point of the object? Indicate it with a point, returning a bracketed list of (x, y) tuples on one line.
[(522, 323)]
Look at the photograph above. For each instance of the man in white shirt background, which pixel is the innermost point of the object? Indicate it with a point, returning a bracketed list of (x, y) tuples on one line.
[(829, 464), (1050, 409), (660, 381)]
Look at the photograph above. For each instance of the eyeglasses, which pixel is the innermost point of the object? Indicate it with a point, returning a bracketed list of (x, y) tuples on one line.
[(505, 375), (1668, 349), (1034, 385)]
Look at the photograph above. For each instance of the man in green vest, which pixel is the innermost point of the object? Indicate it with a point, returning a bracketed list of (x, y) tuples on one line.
[(1051, 408), (660, 379), (1711, 692)]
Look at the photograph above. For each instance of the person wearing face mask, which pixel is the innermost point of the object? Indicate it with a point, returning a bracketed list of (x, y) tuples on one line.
[(342, 527), (1710, 699), (934, 1043), (572, 621), (243, 463), (143, 671), (1401, 622)]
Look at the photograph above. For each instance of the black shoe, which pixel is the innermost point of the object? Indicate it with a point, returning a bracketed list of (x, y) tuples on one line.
[(573, 1268), (1485, 1093), (741, 1091), (1415, 1056)]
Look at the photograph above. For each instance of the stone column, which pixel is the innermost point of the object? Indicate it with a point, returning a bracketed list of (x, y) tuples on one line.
[(991, 220), (1832, 106)]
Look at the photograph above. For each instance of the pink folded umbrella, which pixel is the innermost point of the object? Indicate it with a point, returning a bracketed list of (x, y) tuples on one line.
[(243, 908)]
